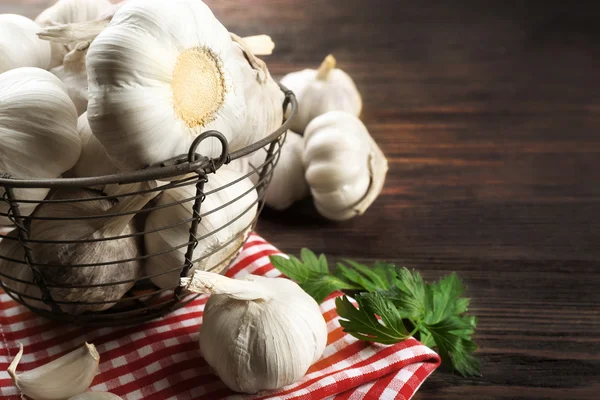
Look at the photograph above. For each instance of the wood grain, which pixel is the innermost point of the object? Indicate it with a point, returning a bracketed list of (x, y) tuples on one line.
[(489, 114)]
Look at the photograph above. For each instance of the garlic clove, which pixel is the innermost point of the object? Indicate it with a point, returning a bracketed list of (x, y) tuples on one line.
[(96, 396), (60, 379)]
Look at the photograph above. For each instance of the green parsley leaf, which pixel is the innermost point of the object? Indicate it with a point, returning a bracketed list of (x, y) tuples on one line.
[(452, 339), (312, 274), (379, 277), (363, 324)]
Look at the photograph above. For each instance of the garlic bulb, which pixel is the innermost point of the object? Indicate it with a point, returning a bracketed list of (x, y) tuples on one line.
[(38, 131), (225, 228), (107, 251), (93, 160), (19, 45), (67, 376), (18, 273), (287, 182), (70, 11), (258, 333), (345, 168), (320, 91), (160, 74), (264, 98)]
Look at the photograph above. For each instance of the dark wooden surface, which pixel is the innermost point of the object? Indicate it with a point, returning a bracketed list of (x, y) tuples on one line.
[(489, 114)]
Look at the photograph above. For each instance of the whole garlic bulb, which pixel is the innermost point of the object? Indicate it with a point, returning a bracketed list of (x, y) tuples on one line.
[(66, 12), (19, 45), (288, 184), (93, 160), (38, 131), (225, 228), (160, 74), (258, 333), (100, 251), (345, 168), (320, 91)]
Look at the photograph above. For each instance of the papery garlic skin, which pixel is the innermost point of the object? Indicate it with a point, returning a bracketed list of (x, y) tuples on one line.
[(73, 74), (345, 169), (93, 160), (225, 229), (38, 131), (66, 12), (320, 91), (264, 98), (64, 377), (258, 333), (19, 45), (288, 184), (160, 74)]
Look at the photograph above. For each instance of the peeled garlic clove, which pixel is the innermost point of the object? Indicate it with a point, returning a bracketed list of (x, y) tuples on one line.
[(67, 12), (320, 91), (345, 168), (60, 379), (19, 46), (96, 396), (227, 216), (258, 333)]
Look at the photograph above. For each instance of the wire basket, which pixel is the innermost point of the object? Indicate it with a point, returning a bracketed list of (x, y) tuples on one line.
[(143, 301)]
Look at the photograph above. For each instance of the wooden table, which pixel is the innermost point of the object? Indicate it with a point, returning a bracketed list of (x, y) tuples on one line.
[(489, 114)]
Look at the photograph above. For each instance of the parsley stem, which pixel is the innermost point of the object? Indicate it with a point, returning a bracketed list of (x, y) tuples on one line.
[(417, 327)]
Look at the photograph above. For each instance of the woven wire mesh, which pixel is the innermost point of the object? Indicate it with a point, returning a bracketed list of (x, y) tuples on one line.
[(43, 293)]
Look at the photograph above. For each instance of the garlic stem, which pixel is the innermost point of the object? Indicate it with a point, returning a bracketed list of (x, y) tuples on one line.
[(254, 61), (326, 66), (75, 32), (259, 45), (211, 283)]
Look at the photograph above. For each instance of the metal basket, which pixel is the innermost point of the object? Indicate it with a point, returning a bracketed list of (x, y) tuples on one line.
[(144, 301)]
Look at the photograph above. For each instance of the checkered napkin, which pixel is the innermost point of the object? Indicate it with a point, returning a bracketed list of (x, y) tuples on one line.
[(161, 359)]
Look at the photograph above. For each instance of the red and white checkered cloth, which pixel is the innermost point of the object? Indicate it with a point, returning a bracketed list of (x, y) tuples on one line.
[(161, 359)]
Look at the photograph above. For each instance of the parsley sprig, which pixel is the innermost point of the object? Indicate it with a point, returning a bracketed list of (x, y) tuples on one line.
[(393, 304)]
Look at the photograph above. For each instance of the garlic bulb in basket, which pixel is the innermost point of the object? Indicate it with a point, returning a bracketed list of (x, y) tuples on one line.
[(288, 184), (320, 91), (160, 74), (38, 131), (93, 160), (264, 98), (19, 45), (66, 12), (258, 333), (222, 230), (109, 252), (345, 168)]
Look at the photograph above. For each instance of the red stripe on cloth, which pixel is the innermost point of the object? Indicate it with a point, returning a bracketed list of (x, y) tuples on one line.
[(245, 262), (379, 386), (413, 384)]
